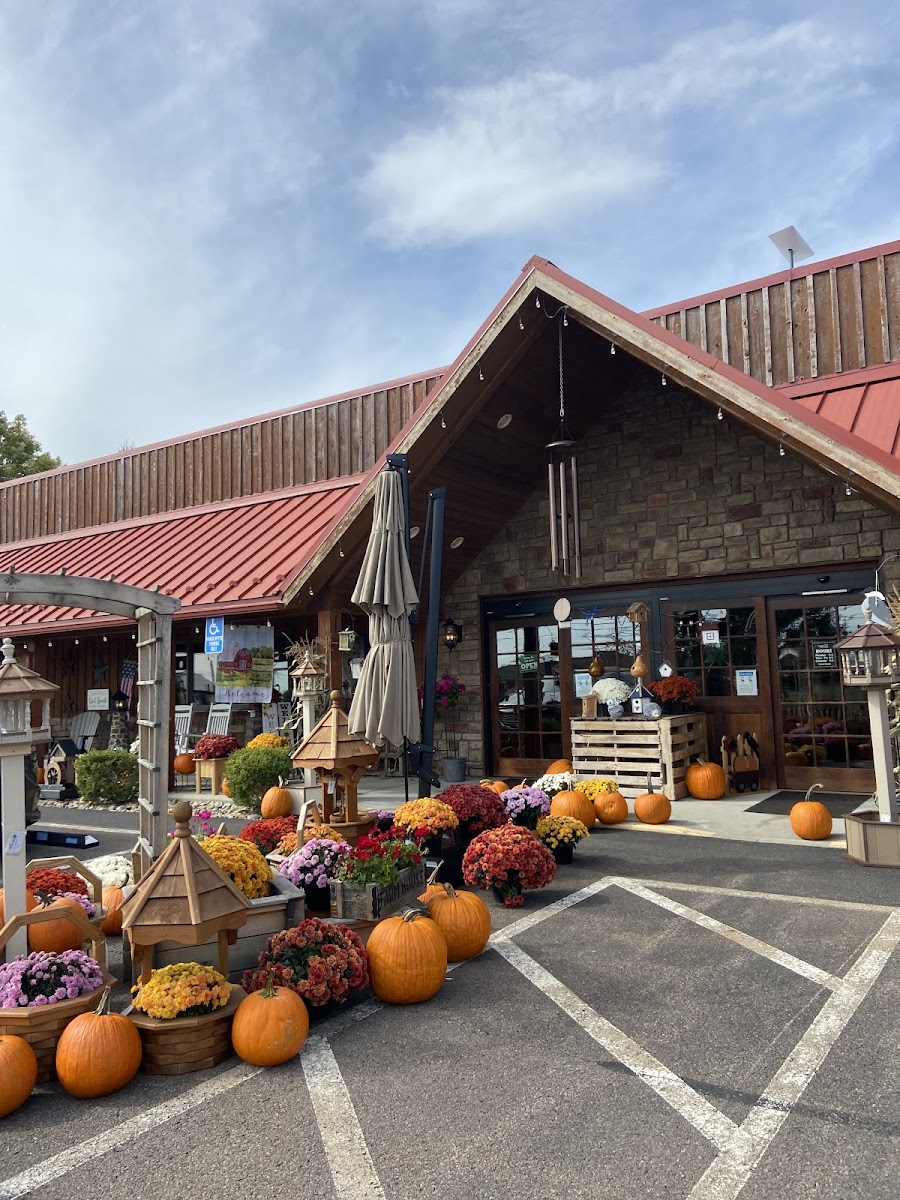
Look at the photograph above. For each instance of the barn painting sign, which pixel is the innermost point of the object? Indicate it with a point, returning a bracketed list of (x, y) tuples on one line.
[(245, 668)]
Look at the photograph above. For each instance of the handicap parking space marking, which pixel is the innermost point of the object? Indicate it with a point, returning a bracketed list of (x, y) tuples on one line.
[(740, 1147)]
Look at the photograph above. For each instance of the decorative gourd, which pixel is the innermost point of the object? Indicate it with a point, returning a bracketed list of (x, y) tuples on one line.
[(810, 819), (30, 903), (98, 1052), (705, 780), (112, 902), (270, 1027), (464, 919), (56, 936), (407, 958), (558, 766), (184, 764), (277, 802), (653, 808), (611, 808), (18, 1073), (573, 804)]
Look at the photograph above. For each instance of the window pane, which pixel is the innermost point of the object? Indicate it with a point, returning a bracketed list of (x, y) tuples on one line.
[(741, 622), (821, 622), (743, 652)]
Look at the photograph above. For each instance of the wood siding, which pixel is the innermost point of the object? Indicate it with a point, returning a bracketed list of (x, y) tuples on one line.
[(841, 318), (324, 441)]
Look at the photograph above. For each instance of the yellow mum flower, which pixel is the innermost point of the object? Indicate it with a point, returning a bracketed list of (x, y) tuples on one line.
[(593, 788), (242, 861)]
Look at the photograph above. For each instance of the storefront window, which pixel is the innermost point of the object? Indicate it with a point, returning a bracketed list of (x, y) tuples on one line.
[(613, 640), (717, 648), (529, 721)]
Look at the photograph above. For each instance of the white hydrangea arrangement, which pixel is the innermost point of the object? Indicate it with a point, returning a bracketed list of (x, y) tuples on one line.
[(608, 689), (561, 781)]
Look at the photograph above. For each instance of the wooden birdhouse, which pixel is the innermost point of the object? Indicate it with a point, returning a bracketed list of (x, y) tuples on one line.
[(185, 897), (339, 759)]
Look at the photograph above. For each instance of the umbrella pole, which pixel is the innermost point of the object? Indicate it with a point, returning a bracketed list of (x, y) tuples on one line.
[(436, 500)]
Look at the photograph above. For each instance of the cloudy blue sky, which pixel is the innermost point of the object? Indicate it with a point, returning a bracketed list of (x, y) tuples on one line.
[(210, 210)]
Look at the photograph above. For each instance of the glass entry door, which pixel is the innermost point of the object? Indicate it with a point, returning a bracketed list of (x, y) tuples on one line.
[(529, 710), (824, 730)]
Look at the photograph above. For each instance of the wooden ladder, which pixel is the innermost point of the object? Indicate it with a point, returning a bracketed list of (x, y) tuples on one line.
[(154, 684)]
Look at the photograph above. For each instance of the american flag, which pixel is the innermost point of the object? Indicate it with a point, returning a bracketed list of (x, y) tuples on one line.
[(129, 674)]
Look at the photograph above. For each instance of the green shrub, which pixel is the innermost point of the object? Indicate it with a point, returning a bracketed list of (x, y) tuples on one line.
[(106, 777), (252, 771)]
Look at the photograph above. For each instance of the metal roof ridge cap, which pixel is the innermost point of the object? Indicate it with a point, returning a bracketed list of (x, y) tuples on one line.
[(838, 380)]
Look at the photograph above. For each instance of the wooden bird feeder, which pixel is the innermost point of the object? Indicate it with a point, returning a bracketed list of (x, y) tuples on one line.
[(184, 897), (339, 759)]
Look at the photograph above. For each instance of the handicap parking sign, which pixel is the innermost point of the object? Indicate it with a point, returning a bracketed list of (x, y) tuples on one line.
[(215, 635)]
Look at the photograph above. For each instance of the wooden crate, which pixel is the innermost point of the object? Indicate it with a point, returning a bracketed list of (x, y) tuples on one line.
[(371, 901), (630, 750)]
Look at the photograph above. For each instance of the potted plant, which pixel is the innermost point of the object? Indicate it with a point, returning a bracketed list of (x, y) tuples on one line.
[(183, 1014), (448, 690), (556, 781), (561, 835), (215, 745), (426, 821), (477, 808), (255, 769), (379, 875), (508, 860), (267, 834), (312, 868), (322, 963), (676, 693), (610, 690), (525, 805)]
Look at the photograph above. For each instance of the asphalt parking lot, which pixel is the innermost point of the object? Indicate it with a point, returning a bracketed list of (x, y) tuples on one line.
[(673, 1017)]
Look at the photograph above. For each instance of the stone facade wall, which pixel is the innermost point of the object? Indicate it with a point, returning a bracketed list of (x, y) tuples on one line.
[(668, 492)]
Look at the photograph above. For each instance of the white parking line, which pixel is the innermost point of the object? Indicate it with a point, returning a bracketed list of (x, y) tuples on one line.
[(781, 957), (348, 1155), (705, 1117), (729, 1172)]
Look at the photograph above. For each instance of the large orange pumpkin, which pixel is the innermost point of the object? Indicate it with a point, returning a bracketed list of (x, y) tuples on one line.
[(465, 921), (496, 785), (18, 1073), (653, 808), (407, 958), (277, 802), (705, 780), (558, 766), (112, 902), (184, 764), (573, 804), (30, 903), (56, 936), (270, 1027), (810, 819), (98, 1052), (611, 808)]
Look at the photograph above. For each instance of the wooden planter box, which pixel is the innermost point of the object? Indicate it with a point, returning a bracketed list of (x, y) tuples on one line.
[(283, 909), (871, 841), (186, 1043), (371, 901), (212, 769), (630, 750), (41, 1027)]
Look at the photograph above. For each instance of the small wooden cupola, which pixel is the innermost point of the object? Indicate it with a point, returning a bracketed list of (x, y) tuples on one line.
[(184, 897), (340, 759)]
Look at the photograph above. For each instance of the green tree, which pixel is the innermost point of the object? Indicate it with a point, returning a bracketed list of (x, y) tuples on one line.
[(20, 451)]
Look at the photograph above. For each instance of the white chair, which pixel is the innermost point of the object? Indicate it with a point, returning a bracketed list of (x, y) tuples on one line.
[(83, 730), (183, 715), (219, 718)]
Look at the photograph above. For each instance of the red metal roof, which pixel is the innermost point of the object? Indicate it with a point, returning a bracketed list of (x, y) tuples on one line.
[(864, 404), (218, 558)]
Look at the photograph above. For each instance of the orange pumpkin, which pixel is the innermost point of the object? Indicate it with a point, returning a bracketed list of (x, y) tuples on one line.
[(98, 1053), (270, 1027), (277, 802), (226, 790), (30, 903), (18, 1073), (407, 958), (184, 764), (56, 936), (573, 804), (810, 819), (432, 888), (611, 808), (795, 758), (465, 921), (653, 808), (705, 780), (558, 766), (112, 902), (40, 775), (496, 785)]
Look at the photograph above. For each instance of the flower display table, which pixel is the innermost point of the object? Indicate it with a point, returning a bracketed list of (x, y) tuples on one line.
[(175, 1047), (212, 769), (630, 750)]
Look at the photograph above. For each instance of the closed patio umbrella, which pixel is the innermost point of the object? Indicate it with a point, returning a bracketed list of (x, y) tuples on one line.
[(385, 706)]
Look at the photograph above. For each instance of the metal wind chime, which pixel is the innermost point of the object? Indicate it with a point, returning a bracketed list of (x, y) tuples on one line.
[(562, 483)]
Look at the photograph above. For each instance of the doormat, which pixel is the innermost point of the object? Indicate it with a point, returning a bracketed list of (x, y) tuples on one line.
[(837, 803)]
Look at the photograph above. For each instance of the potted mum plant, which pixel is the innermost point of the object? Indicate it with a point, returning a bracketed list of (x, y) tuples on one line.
[(610, 690), (322, 963), (525, 805), (426, 821), (184, 1011), (561, 835), (676, 694), (313, 867), (508, 860)]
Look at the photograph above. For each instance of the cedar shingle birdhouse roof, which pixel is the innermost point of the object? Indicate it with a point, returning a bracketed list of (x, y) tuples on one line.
[(185, 896), (331, 744)]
